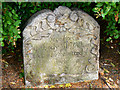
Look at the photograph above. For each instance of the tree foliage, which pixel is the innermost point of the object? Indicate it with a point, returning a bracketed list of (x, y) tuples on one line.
[(109, 11)]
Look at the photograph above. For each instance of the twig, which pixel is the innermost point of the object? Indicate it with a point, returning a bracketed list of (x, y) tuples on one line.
[(105, 83)]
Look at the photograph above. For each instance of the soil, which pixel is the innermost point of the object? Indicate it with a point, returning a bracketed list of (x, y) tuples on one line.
[(109, 73)]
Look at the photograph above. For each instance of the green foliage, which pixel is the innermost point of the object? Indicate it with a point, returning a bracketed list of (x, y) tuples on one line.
[(15, 14), (109, 11), (11, 21), (21, 75)]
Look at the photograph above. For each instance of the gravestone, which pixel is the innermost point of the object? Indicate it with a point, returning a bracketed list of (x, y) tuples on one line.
[(60, 47)]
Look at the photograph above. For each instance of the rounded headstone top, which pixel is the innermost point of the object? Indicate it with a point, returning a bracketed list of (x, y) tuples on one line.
[(61, 19)]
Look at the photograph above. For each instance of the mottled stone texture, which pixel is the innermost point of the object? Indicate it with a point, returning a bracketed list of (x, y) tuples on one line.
[(60, 47)]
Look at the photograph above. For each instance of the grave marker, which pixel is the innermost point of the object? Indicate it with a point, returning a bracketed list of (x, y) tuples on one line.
[(60, 47)]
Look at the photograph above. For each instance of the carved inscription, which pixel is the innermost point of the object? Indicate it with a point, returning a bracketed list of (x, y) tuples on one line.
[(60, 47)]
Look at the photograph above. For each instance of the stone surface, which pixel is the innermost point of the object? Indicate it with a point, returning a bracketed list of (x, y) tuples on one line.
[(60, 47)]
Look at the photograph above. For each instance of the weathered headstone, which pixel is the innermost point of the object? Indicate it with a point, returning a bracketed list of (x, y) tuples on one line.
[(60, 47)]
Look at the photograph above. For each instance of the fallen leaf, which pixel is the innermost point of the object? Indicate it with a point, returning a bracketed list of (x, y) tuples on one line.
[(87, 81), (112, 64), (52, 86), (106, 71), (40, 86), (101, 71), (13, 83), (61, 86), (46, 86), (68, 85), (4, 61)]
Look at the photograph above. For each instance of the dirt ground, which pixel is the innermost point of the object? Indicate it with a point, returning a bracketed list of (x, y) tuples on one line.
[(109, 73)]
